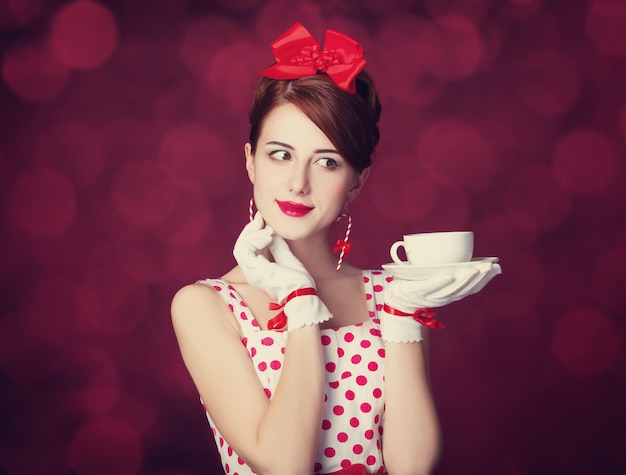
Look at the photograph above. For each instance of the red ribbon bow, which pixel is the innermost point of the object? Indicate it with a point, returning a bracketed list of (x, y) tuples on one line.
[(424, 316), (298, 55), (280, 321), (344, 246), (356, 469)]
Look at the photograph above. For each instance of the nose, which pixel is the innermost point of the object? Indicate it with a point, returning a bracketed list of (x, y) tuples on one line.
[(299, 180)]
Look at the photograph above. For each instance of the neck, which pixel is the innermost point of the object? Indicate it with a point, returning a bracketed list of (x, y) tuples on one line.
[(317, 256)]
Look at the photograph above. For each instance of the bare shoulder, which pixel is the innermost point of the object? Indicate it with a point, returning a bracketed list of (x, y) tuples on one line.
[(199, 306)]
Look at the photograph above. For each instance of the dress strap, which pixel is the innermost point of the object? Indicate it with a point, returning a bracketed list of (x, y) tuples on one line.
[(235, 303)]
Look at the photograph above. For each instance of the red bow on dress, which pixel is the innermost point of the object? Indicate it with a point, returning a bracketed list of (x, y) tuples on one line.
[(298, 55)]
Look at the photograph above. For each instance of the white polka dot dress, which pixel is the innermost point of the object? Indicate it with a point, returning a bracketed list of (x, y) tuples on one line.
[(352, 424)]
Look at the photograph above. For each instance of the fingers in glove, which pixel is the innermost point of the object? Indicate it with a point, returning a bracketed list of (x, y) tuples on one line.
[(462, 280), (283, 255), (424, 287)]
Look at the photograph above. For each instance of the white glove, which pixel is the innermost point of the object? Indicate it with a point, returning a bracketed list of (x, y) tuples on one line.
[(281, 278), (408, 296)]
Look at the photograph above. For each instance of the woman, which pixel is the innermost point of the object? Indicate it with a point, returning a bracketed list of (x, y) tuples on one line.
[(302, 360)]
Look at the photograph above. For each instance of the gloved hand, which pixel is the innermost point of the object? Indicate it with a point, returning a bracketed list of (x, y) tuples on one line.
[(411, 297), (286, 280)]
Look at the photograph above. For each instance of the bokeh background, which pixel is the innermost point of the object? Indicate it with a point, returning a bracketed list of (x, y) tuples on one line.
[(122, 126)]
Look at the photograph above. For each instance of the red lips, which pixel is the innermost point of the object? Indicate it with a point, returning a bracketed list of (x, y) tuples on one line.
[(293, 209)]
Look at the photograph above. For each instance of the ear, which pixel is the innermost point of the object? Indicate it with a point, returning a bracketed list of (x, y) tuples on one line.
[(357, 185), (249, 161)]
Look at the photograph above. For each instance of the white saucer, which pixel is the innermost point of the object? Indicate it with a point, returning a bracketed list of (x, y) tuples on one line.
[(411, 272)]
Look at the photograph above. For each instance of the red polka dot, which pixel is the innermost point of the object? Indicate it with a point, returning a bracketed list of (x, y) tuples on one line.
[(252, 351), (372, 366), (361, 380), (345, 463), (342, 437), (334, 384), (329, 452), (356, 359), (350, 395), (381, 352), (366, 279), (338, 410), (262, 366), (366, 344), (230, 451), (377, 393), (325, 340), (326, 424), (340, 352), (346, 374), (354, 422), (369, 434), (378, 288), (317, 467), (268, 393), (240, 461), (275, 364), (366, 407), (371, 460), (243, 316), (349, 337), (331, 367), (267, 341), (369, 296), (357, 449)]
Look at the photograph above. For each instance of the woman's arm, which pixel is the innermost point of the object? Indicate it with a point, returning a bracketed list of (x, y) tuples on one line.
[(412, 436), (278, 436)]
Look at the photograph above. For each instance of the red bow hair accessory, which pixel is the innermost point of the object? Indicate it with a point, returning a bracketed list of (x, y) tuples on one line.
[(298, 55)]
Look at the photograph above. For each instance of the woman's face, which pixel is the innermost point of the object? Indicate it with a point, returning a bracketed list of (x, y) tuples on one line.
[(301, 183)]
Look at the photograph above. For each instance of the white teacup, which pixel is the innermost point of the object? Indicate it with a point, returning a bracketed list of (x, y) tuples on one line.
[(435, 248)]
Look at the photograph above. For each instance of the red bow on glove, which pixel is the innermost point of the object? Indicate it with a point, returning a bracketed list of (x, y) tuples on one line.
[(424, 316), (298, 55), (279, 322)]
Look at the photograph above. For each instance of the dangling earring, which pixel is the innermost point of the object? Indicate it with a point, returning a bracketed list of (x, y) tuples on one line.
[(251, 208), (343, 247)]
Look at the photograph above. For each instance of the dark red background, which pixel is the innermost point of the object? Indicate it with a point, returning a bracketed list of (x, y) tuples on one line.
[(121, 179)]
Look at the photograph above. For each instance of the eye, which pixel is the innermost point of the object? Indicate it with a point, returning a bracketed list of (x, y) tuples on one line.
[(328, 162), (280, 155)]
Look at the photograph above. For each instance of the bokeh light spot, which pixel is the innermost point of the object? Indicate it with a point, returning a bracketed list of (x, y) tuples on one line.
[(455, 153), (142, 195), (605, 25), (585, 341), (33, 73), (194, 157), (84, 34), (110, 302), (189, 222), (551, 89), (215, 31), (25, 11), (450, 48), (42, 203), (535, 200), (91, 382), (412, 196), (584, 161), (74, 150), (405, 81), (106, 446)]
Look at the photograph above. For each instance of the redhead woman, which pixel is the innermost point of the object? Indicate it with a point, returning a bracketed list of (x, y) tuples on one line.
[(304, 363)]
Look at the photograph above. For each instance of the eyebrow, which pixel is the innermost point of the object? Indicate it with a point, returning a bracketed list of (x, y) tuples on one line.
[(286, 145)]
